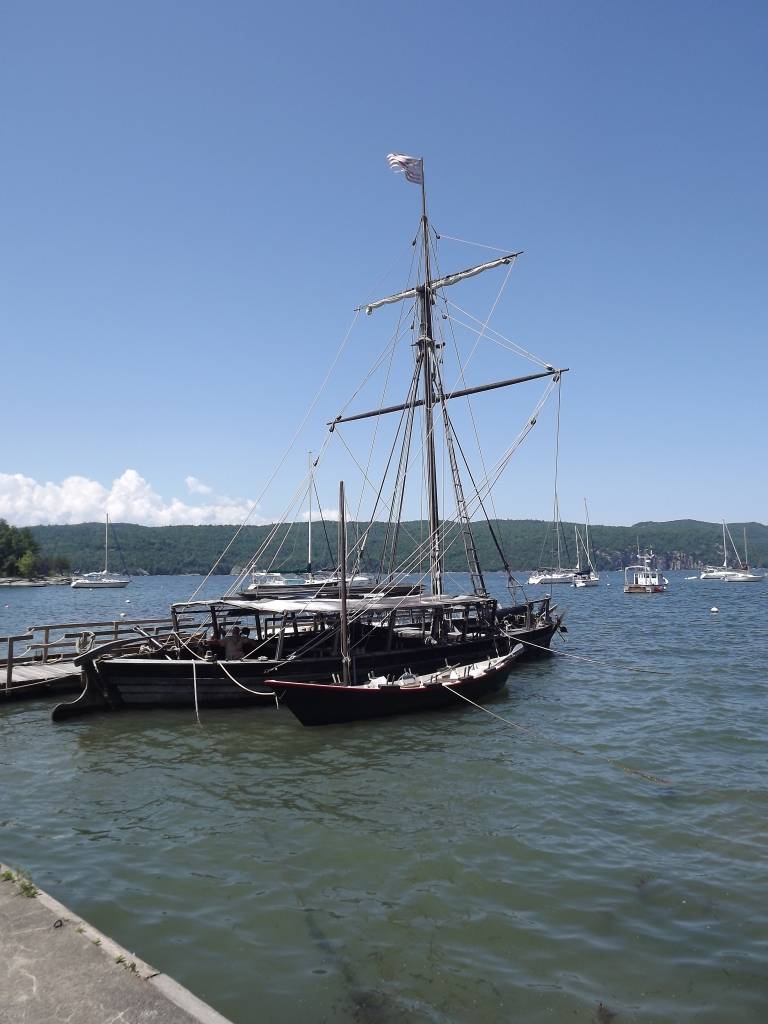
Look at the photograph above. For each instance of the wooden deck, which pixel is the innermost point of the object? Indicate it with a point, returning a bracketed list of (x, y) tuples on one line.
[(43, 673), (28, 681)]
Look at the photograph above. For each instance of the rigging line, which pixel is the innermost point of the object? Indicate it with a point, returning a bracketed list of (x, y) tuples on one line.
[(528, 731), (393, 521), (485, 485), (402, 473), (470, 407), (297, 495), (398, 261), (376, 428), (300, 490), (322, 520), (464, 241), (494, 537), (501, 342), (513, 345), (293, 440), (363, 540), (489, 481), (367, 479), (487, 320), (558, 526), (275, 528), (594, 661)]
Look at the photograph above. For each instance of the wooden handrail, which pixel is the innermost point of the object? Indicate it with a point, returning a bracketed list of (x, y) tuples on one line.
[(18, 636), (101, 622), (10, 640)]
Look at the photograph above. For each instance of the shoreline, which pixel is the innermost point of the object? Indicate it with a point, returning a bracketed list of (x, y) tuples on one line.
[(71, 970)]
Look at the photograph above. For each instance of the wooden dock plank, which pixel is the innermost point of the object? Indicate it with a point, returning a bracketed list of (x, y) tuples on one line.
[(42, 673)]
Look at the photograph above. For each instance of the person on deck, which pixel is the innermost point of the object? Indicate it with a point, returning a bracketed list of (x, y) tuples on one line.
[(234, 645), (231, 646)]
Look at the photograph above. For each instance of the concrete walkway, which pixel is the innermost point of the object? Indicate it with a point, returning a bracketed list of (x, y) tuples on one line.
[(57, 969)]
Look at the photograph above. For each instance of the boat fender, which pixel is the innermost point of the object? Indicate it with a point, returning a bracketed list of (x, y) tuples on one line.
[(714, 611)]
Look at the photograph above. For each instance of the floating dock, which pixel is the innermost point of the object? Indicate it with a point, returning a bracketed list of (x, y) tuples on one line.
[(56, 967)]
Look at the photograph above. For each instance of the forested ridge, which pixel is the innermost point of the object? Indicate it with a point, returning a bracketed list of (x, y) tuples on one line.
[(527, 543), (20, 554)]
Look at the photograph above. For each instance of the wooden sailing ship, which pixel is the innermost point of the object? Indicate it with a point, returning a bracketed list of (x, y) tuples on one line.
[(342, 640)]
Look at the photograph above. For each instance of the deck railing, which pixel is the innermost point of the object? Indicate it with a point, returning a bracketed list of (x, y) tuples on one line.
[(57, 642)]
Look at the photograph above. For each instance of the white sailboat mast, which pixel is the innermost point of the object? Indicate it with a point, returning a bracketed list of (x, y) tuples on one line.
[(106, 544), (586, 531), (725, 549)]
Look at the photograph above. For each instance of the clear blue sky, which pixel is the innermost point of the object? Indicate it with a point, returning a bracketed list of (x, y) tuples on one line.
[(195, 196)]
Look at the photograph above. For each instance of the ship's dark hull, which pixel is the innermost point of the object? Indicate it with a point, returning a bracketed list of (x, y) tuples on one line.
[(325, 704), (117, 683)]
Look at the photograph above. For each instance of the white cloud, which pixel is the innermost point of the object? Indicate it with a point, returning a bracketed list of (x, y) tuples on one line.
[(331, 514), (195, 486), (130, 499)]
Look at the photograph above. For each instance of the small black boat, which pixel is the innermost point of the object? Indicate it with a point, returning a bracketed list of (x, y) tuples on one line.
[(326, 704)]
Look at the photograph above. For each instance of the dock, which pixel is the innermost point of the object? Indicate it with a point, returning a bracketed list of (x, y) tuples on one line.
[(54, 966), (41, 661)]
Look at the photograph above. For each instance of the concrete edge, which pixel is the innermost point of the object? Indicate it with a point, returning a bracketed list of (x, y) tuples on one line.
[(172, 990)]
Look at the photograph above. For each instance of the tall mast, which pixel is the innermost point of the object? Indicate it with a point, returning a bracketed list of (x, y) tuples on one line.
[(725, 549), (746, 559), (106, 543), (586, 531), (426, 348), (309, 522), (578, 550), (343, 586)]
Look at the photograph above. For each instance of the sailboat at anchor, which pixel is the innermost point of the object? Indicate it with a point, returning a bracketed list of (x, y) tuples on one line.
[(104, 579)]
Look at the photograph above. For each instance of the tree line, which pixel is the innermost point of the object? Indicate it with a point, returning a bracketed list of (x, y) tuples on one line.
[(527, 544), (20, 554)]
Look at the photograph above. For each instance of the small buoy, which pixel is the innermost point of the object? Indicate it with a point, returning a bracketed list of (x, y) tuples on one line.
[(122, 615), (127, 600), (608, 584), (714, 610)]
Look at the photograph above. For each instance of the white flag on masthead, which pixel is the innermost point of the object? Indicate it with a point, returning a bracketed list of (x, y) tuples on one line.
[(411, 166)]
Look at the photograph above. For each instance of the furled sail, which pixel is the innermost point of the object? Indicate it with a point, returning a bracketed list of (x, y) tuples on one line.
[(443, 282)]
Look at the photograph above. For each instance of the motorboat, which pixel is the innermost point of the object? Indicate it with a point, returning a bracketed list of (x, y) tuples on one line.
[(643, 578)]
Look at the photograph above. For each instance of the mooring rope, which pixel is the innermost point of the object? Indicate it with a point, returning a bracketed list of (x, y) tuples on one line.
[(590, 661), (562, 746), (256, 693), (194, 686)]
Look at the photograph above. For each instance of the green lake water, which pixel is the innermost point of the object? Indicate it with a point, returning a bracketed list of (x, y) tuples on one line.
[(450, 867)]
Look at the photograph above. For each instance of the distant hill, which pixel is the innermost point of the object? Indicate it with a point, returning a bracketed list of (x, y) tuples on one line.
[(682, 543)]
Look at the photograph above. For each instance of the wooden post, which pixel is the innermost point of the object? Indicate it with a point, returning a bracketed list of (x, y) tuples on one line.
[(9, 668), (46, 634)]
